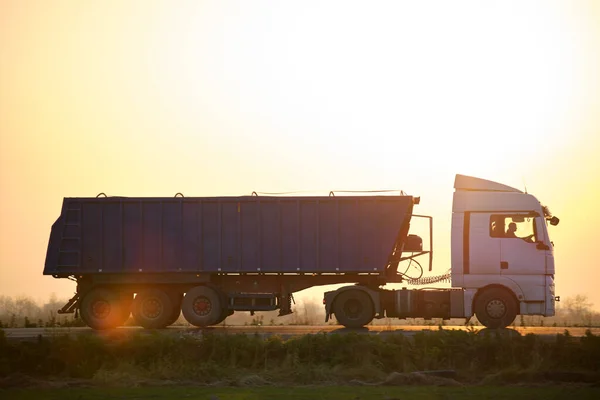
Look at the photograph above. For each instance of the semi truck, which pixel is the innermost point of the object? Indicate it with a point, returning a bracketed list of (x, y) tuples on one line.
[(155, 258)]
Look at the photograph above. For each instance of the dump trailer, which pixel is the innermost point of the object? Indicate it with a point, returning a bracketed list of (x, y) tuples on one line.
[(207, 257)]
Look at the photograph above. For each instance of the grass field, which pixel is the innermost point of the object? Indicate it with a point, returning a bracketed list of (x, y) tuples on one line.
[(312, 393), (263, 366)]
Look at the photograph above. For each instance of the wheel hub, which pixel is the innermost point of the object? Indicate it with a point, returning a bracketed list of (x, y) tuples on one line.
[(152, 308), (202, 306), (100, 309), (496, 308), (352, 308)]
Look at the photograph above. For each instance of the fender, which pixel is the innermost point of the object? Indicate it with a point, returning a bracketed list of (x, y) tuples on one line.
[(480, 282), (503, 282), (330, 297)]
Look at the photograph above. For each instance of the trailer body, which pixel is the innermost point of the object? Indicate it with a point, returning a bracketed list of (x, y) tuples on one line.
[(226, 234)]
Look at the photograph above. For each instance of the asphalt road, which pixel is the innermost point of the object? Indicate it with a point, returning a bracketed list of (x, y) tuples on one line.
[(283, 331)]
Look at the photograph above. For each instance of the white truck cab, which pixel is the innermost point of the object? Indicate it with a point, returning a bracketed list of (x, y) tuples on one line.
[(501, 249)]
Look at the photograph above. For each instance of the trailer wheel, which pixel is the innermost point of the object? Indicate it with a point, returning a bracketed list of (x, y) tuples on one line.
[(101, 309), (353, 308), (152, 308), (176, 299), (495, 308), (202, 306)]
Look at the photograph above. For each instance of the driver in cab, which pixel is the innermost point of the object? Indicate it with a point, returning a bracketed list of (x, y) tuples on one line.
[(512, 228), (511, 233)]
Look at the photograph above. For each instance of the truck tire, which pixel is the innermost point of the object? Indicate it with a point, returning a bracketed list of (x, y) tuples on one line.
[(101, 309), (496, 308), (152, 308), (353, 308), (176, 299), (202, 307)]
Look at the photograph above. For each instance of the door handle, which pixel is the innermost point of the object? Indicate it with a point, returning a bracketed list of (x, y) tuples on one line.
[(503, 264)]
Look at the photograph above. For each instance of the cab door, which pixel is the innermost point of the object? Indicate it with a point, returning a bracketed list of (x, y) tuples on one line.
[(525, 253)]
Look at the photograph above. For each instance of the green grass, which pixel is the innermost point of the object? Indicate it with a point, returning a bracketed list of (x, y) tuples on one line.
[(312, 393), (138, 360)]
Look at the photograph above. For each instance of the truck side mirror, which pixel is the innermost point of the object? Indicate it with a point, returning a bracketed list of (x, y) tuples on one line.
[(542, 246)]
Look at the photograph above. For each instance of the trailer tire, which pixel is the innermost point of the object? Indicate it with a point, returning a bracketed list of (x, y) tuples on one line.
[(101, 309), (202, 306), (496, 308), (353, 308), (152, 308)]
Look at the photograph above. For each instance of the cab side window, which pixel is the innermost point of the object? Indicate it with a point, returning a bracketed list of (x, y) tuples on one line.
[(513, 226)]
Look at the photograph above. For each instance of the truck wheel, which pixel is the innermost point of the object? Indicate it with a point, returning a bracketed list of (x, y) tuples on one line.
[(101, 309), (353, 308), (202, 306), (152, 308), (176, 299), (495, 308)]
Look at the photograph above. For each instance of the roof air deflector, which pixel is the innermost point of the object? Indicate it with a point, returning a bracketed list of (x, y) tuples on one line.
[(464, 182)]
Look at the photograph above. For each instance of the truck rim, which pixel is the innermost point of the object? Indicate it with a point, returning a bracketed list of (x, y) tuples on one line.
[(496, 308), (152, 308), (353, 308), (202, 305), (100, 309)]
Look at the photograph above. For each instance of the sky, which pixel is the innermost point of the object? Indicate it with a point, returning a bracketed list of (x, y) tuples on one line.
[(207, 98)]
